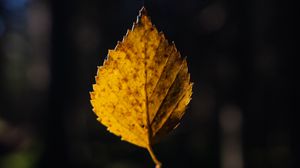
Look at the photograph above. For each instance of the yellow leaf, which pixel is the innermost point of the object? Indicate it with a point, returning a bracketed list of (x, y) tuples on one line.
[(143, 87)]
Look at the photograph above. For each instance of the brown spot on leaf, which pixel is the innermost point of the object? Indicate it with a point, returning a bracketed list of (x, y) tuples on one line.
[(150, 83), (151, 68), (128, 56), (134, 76), (136, 93), (125, 79)]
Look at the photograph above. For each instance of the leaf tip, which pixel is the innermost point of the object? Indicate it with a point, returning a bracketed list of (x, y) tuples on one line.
[(143, 11)]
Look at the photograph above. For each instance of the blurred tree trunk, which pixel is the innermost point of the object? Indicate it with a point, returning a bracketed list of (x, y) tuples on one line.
[(63, 74)]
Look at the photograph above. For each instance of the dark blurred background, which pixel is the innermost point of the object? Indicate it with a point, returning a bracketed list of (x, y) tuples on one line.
[(241, 114)]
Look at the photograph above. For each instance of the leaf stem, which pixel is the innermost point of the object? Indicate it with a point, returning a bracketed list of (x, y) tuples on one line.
[(155, 160)]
